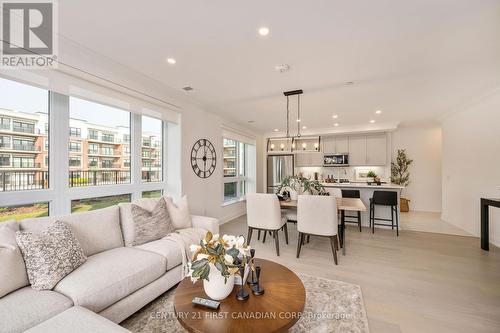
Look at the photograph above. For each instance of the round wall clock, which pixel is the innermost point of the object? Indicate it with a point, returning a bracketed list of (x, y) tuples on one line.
[(203, 158)]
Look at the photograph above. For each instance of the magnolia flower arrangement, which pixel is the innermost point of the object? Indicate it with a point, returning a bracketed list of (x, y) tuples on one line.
[(222, 252)]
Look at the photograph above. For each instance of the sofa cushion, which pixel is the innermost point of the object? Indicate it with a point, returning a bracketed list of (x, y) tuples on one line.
[(96, 231), (26, 307), (77, 320), (179, 213), (127, 219), (150, 225), (109, 276), (50, 255), (166, 248), (12, 269)]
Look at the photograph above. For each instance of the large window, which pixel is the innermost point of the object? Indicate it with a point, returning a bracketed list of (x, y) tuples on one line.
[(23, 114), (236, 175), (96, 158), (151, 150), (104, 154)]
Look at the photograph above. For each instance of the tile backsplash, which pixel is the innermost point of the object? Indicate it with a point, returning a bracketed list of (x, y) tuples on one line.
[(347, 172)]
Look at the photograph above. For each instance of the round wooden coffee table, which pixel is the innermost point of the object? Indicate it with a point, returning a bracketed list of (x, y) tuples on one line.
[(275, 311)]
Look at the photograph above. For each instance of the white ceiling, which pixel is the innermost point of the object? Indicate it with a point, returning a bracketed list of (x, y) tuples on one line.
[(414, 60)]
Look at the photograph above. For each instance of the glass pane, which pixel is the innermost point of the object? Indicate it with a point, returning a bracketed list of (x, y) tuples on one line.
[(241, 159), (99, 147), (152, 194), (83, 205), (24, 133), (230, 191), (22, 212), (229, 158), (151, 149)]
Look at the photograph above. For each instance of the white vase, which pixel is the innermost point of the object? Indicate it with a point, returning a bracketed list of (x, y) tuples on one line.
[(215, 288), (293, 195)]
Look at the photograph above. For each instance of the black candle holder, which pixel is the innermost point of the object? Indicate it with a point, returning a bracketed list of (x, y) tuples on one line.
[(257, 289), (253, 279), (242, 294)]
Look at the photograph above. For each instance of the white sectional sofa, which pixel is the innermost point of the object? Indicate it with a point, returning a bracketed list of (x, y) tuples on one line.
[(114, 282)]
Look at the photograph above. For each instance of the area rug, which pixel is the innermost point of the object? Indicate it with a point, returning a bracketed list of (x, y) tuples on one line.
[(331, 306)]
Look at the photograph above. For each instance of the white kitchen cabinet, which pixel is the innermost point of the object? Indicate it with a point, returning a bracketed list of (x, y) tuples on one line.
[(308, 159), (357, 150), (328, 144), (316, 159), (376, 149), (341, 144), (302, 159)]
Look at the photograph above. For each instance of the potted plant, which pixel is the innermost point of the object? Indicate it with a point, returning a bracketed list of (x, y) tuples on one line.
[(400, 175), (373, 178), (215, 262), (296, 185)]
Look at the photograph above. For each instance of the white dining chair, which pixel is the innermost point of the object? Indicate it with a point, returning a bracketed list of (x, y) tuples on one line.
[(264, 213), (317, 216)]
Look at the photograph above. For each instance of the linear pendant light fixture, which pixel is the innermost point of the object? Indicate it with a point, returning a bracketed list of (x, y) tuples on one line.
[(288, 94)]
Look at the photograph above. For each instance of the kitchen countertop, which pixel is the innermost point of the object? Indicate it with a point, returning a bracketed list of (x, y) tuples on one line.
[(364, 185)]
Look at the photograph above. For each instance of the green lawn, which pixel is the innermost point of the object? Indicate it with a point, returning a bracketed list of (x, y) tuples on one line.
[(85, 205), (23, 212)]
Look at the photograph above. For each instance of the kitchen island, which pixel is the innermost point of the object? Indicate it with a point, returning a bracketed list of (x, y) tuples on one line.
[(366, 192)]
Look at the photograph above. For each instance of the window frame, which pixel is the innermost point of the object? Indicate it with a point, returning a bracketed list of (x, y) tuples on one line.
[(59, 194), (240, 178)]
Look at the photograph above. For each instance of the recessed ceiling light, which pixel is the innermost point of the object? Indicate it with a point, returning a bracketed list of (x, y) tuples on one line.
[(276, 130), (298, 120), (335, 116), (251, 121), (304, 127), (187, 88), (171, 61), (263, 31), (372, 121), (336, 124), (378, 111)]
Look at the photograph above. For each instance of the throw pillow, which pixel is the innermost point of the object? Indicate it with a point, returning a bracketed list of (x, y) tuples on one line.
[(50, 255), (12, 269), (151, 225), (181, 218)]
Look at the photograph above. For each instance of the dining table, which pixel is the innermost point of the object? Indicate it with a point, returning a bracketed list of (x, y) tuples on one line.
[(343, 205)]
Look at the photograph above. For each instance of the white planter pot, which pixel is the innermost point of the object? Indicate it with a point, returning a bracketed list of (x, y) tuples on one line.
[(293, 195), (215, 288)]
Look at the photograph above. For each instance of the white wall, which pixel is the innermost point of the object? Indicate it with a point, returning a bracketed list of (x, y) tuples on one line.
[(205, 195), (471, 165), (423, 144)]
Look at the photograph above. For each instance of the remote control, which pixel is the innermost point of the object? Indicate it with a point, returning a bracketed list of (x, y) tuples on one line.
[(208, 303)]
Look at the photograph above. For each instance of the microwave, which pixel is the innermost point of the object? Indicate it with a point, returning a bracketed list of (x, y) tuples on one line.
[(332, 160)]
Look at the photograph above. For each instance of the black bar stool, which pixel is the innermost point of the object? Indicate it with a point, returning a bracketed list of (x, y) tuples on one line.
[(352, 194), (384, 198)]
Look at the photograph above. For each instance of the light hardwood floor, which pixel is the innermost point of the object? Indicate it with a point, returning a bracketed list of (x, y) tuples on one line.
[(419, 282)]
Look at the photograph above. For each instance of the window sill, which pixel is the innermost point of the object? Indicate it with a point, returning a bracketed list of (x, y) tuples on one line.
[(232, 202)]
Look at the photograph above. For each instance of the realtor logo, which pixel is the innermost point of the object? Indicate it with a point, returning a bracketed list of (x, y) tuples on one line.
[(28, 34)]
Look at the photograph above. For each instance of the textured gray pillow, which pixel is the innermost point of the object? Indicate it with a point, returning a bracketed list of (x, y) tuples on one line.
[(50, 255), (151, 225)]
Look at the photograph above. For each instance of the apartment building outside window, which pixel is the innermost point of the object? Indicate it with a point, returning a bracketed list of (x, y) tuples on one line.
[(152, 159), (24, 111), (108, 137), (93, 134), (236, 176)]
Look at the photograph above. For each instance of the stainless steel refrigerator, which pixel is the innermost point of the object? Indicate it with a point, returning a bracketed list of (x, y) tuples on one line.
[(278, 167)]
